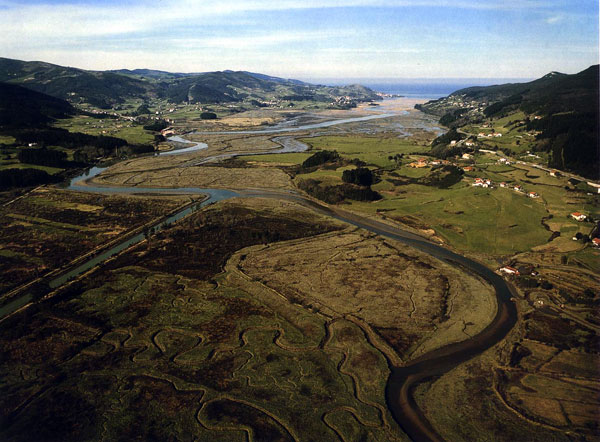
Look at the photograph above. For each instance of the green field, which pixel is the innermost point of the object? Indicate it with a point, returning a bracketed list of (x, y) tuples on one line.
[(372, 150), (119, 128), (291, 158), (13, 165), (6, 139), (495, 221), (513, 137)]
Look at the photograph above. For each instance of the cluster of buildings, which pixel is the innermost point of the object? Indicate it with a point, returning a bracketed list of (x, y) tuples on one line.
[(344, 100), (490, 135), (487, 183), (526, 269), (423, 162), (483, 182), (167, 131), (577, 216)]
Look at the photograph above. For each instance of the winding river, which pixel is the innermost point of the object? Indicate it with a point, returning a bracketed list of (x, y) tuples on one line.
[(402, 380)]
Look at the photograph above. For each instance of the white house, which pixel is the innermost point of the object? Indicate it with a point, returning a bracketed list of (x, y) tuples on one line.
[(594, 185), (509, 270), (481, 182)]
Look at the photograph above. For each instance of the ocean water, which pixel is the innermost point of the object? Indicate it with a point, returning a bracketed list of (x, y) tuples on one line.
[(433, 89), (422, 87), (430, 91)]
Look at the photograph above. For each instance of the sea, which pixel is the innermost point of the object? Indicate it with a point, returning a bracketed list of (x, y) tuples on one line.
[(430, 89)]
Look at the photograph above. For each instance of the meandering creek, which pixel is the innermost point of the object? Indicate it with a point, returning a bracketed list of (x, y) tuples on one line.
[(402, 380)]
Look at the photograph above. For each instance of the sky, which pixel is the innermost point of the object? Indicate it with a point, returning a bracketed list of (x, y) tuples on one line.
[(308, 39)]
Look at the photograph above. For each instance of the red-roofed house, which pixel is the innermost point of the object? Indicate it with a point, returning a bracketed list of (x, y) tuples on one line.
[(578, 216)]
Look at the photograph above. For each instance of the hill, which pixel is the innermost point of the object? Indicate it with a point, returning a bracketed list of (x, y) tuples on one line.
[(100, 89), (21, 107), (559, 110), (106, 89)]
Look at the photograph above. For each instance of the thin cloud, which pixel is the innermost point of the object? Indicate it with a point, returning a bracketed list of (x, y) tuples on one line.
[(554, 19), (41, 19), (197, 35)]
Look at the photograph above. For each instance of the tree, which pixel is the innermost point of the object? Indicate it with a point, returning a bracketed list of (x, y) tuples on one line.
[(321, 157), (142, 109), (361, 176)]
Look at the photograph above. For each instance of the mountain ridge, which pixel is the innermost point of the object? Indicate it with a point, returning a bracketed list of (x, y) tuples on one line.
[(562, 111), (105, 89)]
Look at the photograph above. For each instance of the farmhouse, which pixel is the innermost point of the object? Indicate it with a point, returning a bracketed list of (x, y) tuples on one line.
[(533, 195), (518, 188), (578, 216), (503, 184), (594, 185), (421, 163), (596, 242), (482, 182), (509, 270)]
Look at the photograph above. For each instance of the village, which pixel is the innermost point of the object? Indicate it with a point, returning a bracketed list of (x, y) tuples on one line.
[(474, 166)]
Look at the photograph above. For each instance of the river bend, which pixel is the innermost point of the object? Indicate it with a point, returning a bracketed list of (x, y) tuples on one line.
[(402, 380)]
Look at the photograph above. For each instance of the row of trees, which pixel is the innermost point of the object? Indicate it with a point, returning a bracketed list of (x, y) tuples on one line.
[(42, 157), (64, 138), (337, 194), (25, 177)]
